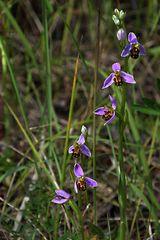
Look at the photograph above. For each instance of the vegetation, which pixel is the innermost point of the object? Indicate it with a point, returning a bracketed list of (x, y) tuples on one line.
[(55, 56)]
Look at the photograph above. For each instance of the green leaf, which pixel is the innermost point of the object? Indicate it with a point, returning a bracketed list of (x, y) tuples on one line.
[(149, 106), (140, 194), (148, 102), (146, 109)]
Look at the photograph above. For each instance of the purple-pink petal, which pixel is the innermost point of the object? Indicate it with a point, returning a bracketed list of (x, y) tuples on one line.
[(113, 101), (71, 148), (100, 111), (81, 139), (111, 119), (121, 34), (126, 50), (108, 81), (128, 78), (62, 193), (59, 200), (90, 182), (116, 67), (142, 51), (132, 38), (85, 150), (61, 196), (78, 171)]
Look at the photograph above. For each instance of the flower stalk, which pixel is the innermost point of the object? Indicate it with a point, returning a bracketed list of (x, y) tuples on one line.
[(81, 216), (122, 180)]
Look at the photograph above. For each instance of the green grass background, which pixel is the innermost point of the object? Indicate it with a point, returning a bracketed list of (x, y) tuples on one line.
[(47, 95)]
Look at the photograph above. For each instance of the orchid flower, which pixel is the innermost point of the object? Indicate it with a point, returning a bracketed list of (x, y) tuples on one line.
[(107, 113), (79, 147), (61, 197), (82, 182), (118, 77), (134, 48)]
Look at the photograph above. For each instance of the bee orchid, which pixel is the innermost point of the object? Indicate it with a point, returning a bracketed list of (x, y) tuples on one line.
[(134, 48), (118, 77), (61, 197), (107, 113), (79, 147), (82, 182)]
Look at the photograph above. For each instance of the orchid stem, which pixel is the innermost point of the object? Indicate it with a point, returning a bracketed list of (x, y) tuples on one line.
[(122, 180), (81, 215)]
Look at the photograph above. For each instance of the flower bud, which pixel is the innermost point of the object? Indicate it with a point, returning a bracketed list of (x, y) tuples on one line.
[(122, 15), (84, 130), (116, 12), (115, 20), (118, 16), (121, 34)]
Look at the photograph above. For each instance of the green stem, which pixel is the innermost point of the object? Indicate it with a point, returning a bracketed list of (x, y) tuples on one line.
[(122, 180), (64, 163), (66, 31), (13, 79), (81, 216), (56, 222), (50, 108), (48, 73)]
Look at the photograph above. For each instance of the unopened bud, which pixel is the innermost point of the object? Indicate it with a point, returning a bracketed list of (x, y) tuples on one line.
[(115, 20), (121, 34), (116, 12), (122, 15), (84, 130)]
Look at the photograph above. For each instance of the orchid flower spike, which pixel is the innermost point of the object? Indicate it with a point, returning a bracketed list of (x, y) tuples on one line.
[(107, 113), (118, 77), (82, 182), (79, 147), (61, 197), (134, 48)]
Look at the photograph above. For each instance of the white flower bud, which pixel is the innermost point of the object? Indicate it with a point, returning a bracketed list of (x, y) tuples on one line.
[(122, 15), (116, 12), (84, 130), (115, 20)]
